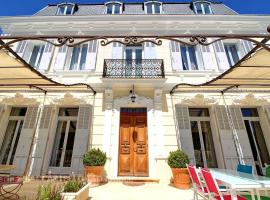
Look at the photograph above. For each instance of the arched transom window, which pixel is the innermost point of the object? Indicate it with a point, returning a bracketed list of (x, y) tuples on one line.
[(113, 7), (153, 7), (65, 9), (202, 7)]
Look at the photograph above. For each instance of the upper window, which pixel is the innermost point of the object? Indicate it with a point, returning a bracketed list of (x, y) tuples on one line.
[(232, 53), (153, 7), (189, 57), (65, 9), (113, 8), (78, 58), (36, 55), (202, 7)]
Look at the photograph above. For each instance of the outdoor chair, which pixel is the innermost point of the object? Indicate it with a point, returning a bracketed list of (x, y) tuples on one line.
[(198, 187), (213, 188), (244, 168)]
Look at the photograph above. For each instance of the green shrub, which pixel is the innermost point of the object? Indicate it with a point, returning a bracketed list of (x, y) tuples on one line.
[(73, 186), (94, 157), (178, 159), (49, 192)]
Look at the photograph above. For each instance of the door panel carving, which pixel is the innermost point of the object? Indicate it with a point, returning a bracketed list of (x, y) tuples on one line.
[(133, 144)]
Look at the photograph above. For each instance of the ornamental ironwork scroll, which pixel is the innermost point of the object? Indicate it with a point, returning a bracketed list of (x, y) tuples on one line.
[(125, 68)]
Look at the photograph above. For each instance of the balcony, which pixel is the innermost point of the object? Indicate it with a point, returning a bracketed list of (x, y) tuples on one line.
[(124, 68)]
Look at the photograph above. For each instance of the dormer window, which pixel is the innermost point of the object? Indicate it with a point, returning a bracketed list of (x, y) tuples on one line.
[(153, 7), (65, 9), (113, 7), (202, 7)]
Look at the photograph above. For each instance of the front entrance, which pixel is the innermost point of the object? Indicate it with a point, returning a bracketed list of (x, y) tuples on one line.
[(133, 144)]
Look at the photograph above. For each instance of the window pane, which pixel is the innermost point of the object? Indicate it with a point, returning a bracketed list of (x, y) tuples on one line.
[(61, 10), (68, 112), (149, 8), (70, 144), (157, 7), (109, 8), (197, 144), (199, 8), (41, 50), (184, 58), (34, 56), (192, 58), (75, 58), (207, 9), (83, 56), (69, 10), (18, 111), (232, 53), (117, 9), (198, 112), (249, 112)]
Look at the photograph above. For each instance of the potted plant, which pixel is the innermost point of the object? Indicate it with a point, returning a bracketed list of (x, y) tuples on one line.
[(75, 190), (177, 160), (94, 161)]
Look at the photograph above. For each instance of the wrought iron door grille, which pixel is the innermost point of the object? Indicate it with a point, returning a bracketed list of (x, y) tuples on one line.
[(135, 68)]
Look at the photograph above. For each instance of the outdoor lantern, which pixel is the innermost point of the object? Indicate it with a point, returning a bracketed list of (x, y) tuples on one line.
[(132, 95)]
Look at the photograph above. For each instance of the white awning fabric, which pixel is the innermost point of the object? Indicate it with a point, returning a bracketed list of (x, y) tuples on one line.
[(252, 73), (17, 75)]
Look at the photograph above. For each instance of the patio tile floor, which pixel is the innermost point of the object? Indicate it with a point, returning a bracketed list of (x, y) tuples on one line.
[(140, 191)]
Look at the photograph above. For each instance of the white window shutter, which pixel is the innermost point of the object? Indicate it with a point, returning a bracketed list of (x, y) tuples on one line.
[(221, 56), (176, 57), (91, 56), (184, 131), (117, 50), (247, 45), (149, 51), (21, 48), (46, 56), (61, 58), (239, 126), (207, 58), (25, 140), (226, 137), (81, 138), (41, 143)]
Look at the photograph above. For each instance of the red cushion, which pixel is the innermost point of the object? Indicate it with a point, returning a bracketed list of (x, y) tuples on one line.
[(229, 197)]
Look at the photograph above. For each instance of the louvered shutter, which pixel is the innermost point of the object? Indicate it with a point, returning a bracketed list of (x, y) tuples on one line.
[(61, 58), (226, 138), (41, 142), (46, 56), (149, 50), (81, 138), (207, 58), (247, 45), (25, 140), (221, 56), (91, 56), (117, 51), (184, 131), (21, 48), (239, 126), (176, 56)]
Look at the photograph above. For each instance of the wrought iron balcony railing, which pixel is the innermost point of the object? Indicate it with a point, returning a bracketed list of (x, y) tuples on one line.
[(125, 68)]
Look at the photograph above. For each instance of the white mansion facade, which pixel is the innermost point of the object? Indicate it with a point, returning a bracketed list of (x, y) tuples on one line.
[(133, 117)]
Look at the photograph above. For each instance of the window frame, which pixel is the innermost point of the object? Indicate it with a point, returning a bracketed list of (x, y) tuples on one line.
[(65, 5), (113, 7), (189, 57), (79, 58), (153, 7), (202, 7), (230, 58), (40, 53)]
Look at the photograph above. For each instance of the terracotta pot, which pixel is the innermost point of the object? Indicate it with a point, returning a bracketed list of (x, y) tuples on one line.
[(181, 178), (95, 174)]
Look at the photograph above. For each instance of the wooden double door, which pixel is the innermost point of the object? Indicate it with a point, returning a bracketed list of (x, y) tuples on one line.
[(133, 144)]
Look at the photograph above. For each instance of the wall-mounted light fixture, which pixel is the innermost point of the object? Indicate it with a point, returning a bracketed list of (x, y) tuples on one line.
[(132, 95)]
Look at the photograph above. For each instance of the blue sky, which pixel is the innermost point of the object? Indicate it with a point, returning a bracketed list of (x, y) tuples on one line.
[(28, 7)]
